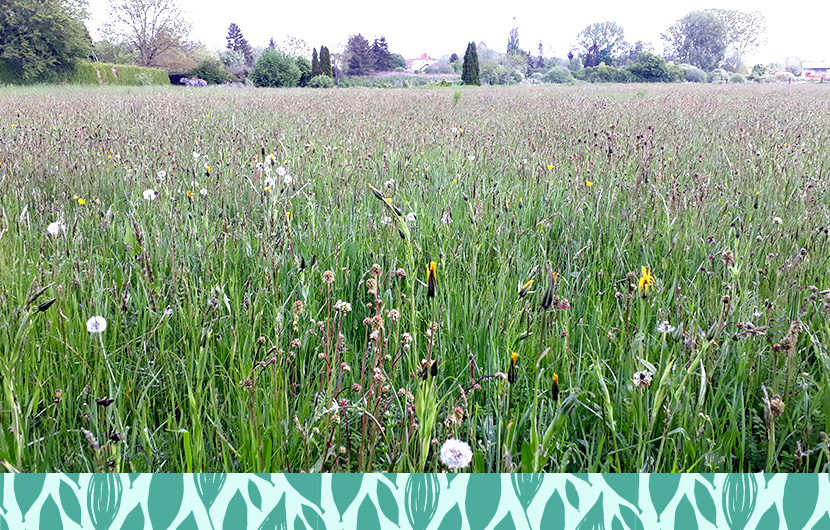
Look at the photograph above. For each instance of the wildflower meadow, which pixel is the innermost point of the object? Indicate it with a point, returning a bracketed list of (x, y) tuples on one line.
[(562, 279)]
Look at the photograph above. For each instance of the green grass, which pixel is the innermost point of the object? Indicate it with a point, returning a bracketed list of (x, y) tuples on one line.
[(213, 366)]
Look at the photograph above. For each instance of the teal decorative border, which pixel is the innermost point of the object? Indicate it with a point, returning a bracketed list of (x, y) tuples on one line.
[(416, 501)]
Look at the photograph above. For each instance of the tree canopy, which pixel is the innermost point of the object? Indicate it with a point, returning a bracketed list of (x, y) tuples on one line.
[(150, 26)]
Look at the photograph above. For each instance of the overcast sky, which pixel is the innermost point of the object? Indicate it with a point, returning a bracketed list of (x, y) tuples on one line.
[(442, 27)]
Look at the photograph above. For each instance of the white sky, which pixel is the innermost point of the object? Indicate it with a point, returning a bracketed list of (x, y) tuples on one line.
[(439, 28)]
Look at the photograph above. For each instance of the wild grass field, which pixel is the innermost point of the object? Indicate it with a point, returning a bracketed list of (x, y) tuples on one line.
[(626, 278)]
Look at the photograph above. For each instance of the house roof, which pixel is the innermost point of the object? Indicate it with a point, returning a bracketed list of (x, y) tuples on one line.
[(815, 65)]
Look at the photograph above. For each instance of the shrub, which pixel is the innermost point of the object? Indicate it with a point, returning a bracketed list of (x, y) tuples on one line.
[(737, 78), (321, 81), (275, 69), (718, 75), (87, 73), (650, 68), (305, 70), (211, 70), (558, 74), (695, 75)]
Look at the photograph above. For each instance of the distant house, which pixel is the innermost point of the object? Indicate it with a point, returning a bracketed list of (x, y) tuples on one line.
[(419, 64), (815, 70)]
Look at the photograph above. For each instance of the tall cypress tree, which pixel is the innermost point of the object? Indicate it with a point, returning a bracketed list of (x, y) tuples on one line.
[(315, 64), (238, 43), (469, 71), (325, 61)]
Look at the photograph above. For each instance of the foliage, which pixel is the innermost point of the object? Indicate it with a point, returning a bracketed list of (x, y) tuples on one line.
[(315, 64), (305, 70), (695, 75), (90, 73), (325, 61), (470, 70), (380, 56), (358, 56), (152, 27), (321, 81), (398, 61), (558, 74), (513, 41), (40, 40), (700, 38), (114, 52), (238, 43), (718, 75), (736, 78), (275, 69), (758, 72), (601, 42), (211, 70), (650, 68)]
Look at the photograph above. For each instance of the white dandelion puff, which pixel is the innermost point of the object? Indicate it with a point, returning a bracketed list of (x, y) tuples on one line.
[(665, 327), (269, 182), (55, 229), (150, 194), (161, 174), (287, 180), (411, 218), (203, 192), (456, 454), (96, 325), (281, 171)]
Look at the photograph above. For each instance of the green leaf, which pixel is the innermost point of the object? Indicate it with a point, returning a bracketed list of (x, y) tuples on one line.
[(264, 476), (506, 523), (705, 503), (50, 515), (583, 476), (3, 494), (164, 499), (208, 487), (482, 500), (299, 524), (367, 515), (571, 494), (626, 485), (684, 515), (277, 519), (823, 523), (767, 478), (452, 519), (133, 478), (631, 519), (393, 477), (313, 519), (595, 518), (661, 488), (800, 499), (421, 497), (616, 524), (75, 478), (553, 516), (236, 516), (3, 524), (770, 520), (526, 486), (740, 492), (450, 478), (387, 503), (308, 485), (344, 490), (69, 502), (103, 499), (189, 523), (709, 477), (135, 519), (27, 489), (254, 495)]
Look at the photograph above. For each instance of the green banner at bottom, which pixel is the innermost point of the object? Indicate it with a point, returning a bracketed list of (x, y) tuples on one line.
[(415, 501)]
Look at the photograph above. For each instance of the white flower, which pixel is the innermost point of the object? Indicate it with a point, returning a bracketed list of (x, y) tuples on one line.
[(194, 184), (385, 220), (642, 378), (287, 179), (471, 157), (271, 159), (776, 220), (151, 194), (161, 174), (410, 217), (203, 192), (281, 171), (665, 327), (456, 454), (196, 155), (56, 228), (269, 182), (96, 325), (389, 184)]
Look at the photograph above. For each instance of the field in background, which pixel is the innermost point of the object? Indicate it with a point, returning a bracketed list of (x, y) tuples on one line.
[(227, 349)]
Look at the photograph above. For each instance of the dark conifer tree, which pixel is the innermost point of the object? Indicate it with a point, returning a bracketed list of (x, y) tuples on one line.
[(469, 70), (325, 61), (315, 64)]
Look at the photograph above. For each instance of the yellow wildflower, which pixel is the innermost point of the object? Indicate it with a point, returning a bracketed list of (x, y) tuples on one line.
[(646, 280)]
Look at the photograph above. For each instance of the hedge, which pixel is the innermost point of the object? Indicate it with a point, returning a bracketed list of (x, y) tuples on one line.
[(87, 73)]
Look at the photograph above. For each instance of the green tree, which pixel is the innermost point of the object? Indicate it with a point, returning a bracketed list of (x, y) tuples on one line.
[(325, 61), (40, 39), (152, 27), (358, 56), (513, 40), (470, 71), (650, 68), (211, 70), (602, 42), (305, 70), (275, 69), (238, 43), (315, 64), (699, 38), (398, 61), (381, 58)]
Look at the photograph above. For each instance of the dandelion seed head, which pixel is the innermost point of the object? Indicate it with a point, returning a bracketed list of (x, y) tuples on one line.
[(96, 324), (456, 454)]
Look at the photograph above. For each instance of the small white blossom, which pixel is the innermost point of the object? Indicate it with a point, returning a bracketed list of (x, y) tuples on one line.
[(410, 217), (385, 220), (150, 194), (456, 454), (55, 229), (269, 182), (665, 327), (287, 180), (642, 378), (96, 325), (161, 174), (776, 220), (203, 192), (196, 155), (281, 171)]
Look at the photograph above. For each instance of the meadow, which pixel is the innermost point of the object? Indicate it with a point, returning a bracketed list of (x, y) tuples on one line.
[(626, 278)]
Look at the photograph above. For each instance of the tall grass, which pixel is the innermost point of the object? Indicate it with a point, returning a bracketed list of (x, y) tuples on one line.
[(226, 350)]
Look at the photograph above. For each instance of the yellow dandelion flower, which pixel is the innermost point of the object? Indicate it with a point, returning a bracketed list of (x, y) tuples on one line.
[(81, 202), (589, 183), (267, 189), (550, 167), (646, 280)]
